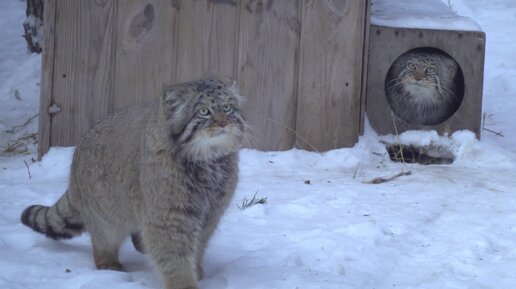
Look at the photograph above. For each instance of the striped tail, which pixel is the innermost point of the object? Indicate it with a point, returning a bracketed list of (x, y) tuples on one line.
[(61, 221)]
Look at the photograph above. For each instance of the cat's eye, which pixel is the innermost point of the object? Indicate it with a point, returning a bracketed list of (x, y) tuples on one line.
[(430, 69), (227, 108), (204, 112), (411, 66)]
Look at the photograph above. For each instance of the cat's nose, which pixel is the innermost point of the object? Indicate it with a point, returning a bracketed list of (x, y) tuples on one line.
[(418, 76), (220, 121)]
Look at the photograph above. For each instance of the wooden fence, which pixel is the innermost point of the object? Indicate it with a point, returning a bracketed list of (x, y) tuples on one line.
[(299, 63)]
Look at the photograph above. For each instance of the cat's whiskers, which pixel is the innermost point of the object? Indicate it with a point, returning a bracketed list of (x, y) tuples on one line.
[(250, 136), (449, 92), (438, 83), (395, 83)]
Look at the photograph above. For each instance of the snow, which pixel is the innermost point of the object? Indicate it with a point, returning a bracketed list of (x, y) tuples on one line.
[(427, 14), (19, 78), (323, 226), (35, 24)]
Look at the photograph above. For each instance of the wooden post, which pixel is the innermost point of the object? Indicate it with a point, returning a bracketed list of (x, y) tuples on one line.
[(47, 72)]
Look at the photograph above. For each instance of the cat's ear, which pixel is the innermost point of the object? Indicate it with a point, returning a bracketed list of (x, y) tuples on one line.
[(233, 88), (173, 100), (226, 81), (449, 67), (174, 94)]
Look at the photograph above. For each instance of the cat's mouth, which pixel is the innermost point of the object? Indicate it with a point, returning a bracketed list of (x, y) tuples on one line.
[(216, 131), (213, 142), (419, 84)]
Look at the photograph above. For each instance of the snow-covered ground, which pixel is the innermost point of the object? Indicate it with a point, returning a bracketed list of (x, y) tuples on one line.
[(323, 226), (19, 81)]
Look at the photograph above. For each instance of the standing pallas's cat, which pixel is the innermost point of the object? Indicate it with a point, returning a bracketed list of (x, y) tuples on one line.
[(424, 87), (163, 174)]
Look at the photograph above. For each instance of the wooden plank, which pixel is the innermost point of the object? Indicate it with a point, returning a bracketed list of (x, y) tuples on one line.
[(47, 70), (328, 106), (268, 68), (145, 50), (207, 39), (83, 74)]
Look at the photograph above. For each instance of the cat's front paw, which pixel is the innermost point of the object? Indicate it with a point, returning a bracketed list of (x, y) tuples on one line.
[(115, 266), (190, 287)]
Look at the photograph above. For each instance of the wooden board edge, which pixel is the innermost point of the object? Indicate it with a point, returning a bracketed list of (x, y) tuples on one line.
[(365, 63), (47, 72)]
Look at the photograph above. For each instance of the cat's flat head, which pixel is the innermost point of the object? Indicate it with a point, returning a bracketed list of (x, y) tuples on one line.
[(423, 86), (204, 118), (420, 76)]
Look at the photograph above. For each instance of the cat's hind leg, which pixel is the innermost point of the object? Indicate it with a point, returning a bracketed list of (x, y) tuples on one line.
[(106, 245)]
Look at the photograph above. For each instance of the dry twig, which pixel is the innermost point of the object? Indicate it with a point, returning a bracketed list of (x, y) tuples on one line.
[(28, 169), (484, 118), (17, 127), (376, 181)]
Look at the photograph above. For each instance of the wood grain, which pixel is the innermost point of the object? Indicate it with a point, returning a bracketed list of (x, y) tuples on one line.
[(268, 69), (207, 39), (328, 105), (83, 74), (47, 72), (298, 62), (146, 50)]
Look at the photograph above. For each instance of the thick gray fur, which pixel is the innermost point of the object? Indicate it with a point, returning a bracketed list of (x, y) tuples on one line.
[(423, 87), (161, 174)]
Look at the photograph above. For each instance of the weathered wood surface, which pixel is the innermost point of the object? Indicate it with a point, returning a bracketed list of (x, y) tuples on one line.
[(268, 69), (328, 104), (466, 47), (145, 50), (207, 41), (47, 72), (111, 54), (83, 70)]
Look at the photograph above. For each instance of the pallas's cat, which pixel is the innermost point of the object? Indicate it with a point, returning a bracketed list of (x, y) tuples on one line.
[(424, 87), (163, 174)]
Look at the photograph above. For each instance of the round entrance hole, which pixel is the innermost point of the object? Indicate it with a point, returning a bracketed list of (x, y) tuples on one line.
[(424, 86)]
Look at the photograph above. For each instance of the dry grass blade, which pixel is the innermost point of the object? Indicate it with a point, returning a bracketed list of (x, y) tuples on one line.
[(498, 133), (484, 119), (20, 145), (28, 169), (254, 201), (295, 132), (398, 136)]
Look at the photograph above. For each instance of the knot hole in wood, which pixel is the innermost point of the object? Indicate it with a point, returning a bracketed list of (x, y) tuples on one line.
[(142, 23)]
